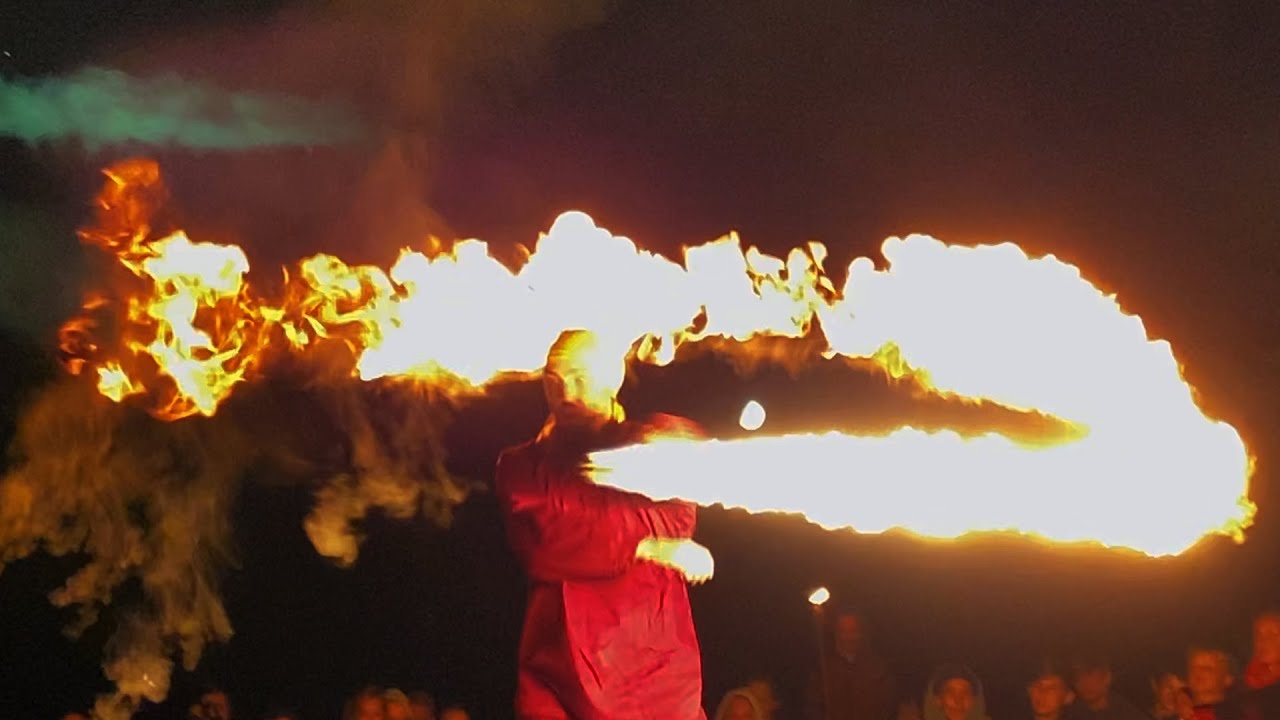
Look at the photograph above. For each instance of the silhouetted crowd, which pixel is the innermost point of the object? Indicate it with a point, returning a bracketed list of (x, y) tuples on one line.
[(853, 683)]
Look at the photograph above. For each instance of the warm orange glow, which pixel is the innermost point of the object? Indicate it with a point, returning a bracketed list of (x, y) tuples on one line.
[(819, 597), (1146, 469)]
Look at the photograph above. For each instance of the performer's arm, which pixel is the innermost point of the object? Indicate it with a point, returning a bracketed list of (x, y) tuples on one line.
[(581, 531)]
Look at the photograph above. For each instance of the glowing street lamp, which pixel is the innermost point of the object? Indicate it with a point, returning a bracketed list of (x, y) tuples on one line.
[(817, 599)]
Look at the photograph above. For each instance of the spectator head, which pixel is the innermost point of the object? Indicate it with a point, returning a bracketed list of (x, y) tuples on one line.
[(455, 712), (1209, 675), (422, 706), (848, 631), (739, 704), (215, 704), (1266, 638), (955, 688), (1091, 680), (1048, 691), (75, 716), (766, 697), (366, 705), (395, 705)]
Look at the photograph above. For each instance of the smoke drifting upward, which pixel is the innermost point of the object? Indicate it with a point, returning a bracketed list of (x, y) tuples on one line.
[(148, 503), (142, 502), (106, 107), (410, 64), (416, 73), (386, 470)]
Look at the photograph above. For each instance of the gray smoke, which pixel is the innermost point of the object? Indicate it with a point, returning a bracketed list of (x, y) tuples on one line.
[(148, 502)]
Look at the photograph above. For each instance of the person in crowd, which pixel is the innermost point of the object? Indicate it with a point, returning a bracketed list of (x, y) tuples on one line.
[(608, 631), (455, 712), (422, 706), (954, 693), (1209, 680), (1095, 700), (853, 683), (395, 705), (739, 704), (766, 696), (1049, 692), (366, 705), (75, 716), (1170, 699), (1262, 675), (215, 704)]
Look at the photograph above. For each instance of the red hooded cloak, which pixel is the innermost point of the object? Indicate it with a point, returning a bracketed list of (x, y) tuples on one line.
[(606, 636)]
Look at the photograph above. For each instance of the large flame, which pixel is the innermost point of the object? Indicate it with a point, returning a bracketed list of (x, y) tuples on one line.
[(984, 322), (1148, 471)]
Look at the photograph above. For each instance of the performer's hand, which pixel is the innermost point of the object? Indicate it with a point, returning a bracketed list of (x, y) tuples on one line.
[(694, 561), (689, 558)]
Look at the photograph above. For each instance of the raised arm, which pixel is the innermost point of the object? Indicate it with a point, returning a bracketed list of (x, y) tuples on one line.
[(564, 528)]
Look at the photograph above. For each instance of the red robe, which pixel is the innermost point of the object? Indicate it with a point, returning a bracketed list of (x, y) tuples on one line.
[(606, 636)]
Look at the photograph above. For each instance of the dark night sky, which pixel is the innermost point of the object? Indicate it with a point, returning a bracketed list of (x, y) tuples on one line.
[(1140, 142)]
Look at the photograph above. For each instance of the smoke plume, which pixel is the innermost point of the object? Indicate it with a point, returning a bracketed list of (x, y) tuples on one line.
[(106, 107), (148, 504)]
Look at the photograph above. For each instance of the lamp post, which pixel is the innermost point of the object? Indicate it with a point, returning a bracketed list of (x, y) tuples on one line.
[(817, 599)]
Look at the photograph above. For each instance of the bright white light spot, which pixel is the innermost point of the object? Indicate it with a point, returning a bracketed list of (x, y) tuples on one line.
[(752, 416)]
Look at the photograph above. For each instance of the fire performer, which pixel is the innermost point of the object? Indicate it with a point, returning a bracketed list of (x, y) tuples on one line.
[(608, 632)]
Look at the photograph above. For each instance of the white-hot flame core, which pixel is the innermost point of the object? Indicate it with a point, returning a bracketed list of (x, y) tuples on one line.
[(1152, 472), (1148, 470)]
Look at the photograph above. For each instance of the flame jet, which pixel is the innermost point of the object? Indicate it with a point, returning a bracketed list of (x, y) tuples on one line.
[(985, 322), (982, 323)]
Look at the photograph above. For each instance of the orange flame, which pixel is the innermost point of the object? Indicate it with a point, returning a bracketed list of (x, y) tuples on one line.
[(985, 322), (193, 329), (191, 323)]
